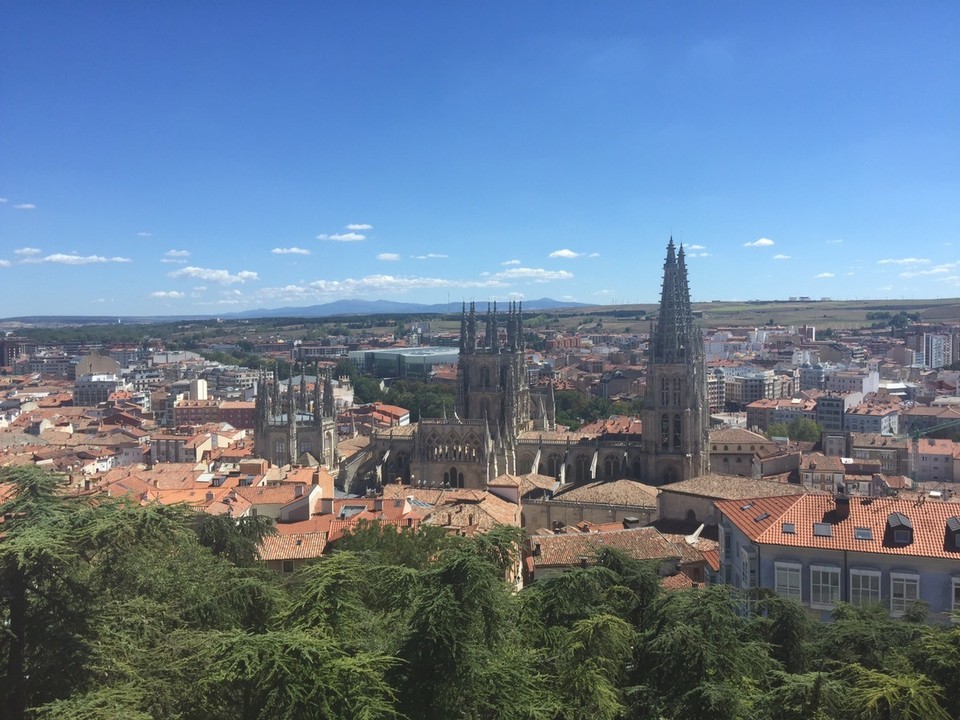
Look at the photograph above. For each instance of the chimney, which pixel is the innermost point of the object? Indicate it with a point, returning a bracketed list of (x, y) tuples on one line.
[(536, 550), (841, 509), (298, 491), (583, 561), (631, 522)]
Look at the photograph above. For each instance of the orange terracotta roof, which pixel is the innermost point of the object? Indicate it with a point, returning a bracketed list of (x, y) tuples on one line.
[(565, 550), (802, 511), (293, 546)]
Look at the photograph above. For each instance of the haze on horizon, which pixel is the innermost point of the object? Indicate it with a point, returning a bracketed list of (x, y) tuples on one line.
[(177, 159)]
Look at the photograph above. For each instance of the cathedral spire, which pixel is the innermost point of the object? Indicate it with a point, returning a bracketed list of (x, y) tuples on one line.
[(463, 328), (329, 408), (671, 338), (317, 397), (291, 422), (472, 328)]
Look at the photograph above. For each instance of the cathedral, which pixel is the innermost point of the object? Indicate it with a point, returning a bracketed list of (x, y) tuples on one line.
[(501, 425), (294, 426)]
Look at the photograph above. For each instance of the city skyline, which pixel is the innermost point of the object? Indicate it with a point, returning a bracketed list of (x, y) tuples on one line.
[(200, 160)]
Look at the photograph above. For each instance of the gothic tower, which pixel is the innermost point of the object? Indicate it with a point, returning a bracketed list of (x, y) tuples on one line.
[(676, 414), (291, 423), (491, 378)]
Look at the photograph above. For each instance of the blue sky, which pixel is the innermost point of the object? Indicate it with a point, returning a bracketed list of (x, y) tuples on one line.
[(184, 157)]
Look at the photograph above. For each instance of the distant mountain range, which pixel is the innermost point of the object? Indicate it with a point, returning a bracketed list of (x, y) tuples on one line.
[(388, 307), (331, 309)]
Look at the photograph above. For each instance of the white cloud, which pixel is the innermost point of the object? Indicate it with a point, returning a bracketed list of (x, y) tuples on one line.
[(939, 270), (761, 242), (143, 233), (535, 274), (219, 276), (510, 262), (389, 257), (3, 200), (177, 253), (696, 247), (594, 254), (343, 237), (25, 206), (167, 294), (568, 254), (834, 242), (781, 256), (290, 251), (703, 254), (359, 226), (429, 256), (27, 251), (825, 275), (903, 261), (5, 263), (73, 259)]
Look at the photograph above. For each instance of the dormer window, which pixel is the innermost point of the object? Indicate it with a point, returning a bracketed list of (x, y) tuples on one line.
[(953, 533), (899, 529)]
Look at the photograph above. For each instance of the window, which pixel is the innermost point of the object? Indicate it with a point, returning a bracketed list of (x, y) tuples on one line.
[(724, 537), (824, 586), (788, 580), (904, 591), (864, 587), (748, 568), (955, 597), (288, 566), (822, 530)]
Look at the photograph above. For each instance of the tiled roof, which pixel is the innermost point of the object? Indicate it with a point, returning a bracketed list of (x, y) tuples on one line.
[(617, 492), (293, 546), (272, 494), (564, 550), (929, 523), (738, 436), (715, 485), (525, 483), (821, 463)]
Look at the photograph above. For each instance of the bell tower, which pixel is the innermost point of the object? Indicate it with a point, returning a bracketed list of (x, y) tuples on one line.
[(675, 415)]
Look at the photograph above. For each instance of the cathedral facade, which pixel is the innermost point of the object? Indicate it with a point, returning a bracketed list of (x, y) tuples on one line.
[(501, 425), (294, 426)]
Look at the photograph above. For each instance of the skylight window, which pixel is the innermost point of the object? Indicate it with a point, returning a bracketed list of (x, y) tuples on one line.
[(822, 530), (746, 507), (863, 533), (789, 528), (761, 517)]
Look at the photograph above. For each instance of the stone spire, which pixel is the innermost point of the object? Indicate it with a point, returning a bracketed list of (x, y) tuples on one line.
[(463, 328), (275, 406), (494, 340), (672, 338), (317, 397), (328, 407), (472, 328), (291, 422), (302, 402)]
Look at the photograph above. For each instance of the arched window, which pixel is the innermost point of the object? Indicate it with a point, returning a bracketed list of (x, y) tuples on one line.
[(664, 432), (664, 392), (677, 432), (676, 392)]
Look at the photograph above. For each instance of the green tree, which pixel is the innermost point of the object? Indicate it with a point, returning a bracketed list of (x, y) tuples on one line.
[(875, 695)]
